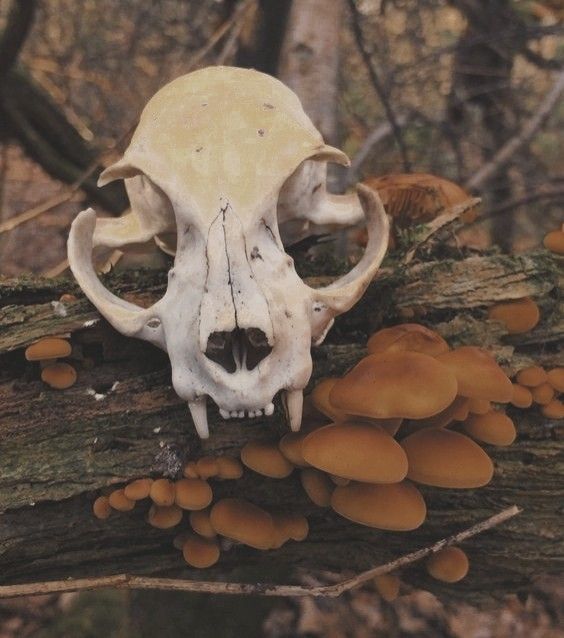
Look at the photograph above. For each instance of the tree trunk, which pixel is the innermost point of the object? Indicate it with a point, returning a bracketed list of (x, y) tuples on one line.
[(123, 420)]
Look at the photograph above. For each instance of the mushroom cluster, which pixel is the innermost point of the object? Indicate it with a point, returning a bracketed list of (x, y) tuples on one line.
[(47, 351), (534, 384), (234, 519)]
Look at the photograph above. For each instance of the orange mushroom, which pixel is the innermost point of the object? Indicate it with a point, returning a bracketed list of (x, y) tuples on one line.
[(119, 501), (518, 316), (554, 241), (59, 376), (449, 565), (200, 552), (265, 458), (531, 376), (291, 447), (556, 378), (407, 336), (494, 428), (138, 489), (317, 486), (48, 348), (192, 494), (242, 521), (553, 410), (164, 517), (207, 467), (321, 402), (229, 468), (522, 397), (543, 393), (102, 508), (162, 492), (388, 586), (201, 523)]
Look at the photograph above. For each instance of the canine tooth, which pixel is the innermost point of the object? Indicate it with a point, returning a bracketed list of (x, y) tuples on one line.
[(293, 402), (234, 414), (200, 416), (258, 412), (241, 414), (224, 413), (269, 409)]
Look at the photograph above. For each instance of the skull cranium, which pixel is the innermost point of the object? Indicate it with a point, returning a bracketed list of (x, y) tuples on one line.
[(222, 156)]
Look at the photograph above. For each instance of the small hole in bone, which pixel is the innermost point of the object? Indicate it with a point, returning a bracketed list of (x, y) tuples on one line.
[(268, 106), (199, 149), (241, 348), (154, 323), (261, 132)]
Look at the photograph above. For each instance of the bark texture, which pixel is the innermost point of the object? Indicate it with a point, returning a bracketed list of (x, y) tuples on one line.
[(122, 420)]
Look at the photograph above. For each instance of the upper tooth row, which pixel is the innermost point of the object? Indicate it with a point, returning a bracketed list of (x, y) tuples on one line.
[(239, 414)]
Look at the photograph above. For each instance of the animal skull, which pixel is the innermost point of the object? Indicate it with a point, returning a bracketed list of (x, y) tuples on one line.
[(221, 156)]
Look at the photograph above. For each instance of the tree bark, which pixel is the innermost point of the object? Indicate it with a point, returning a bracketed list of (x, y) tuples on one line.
[(122, 420)]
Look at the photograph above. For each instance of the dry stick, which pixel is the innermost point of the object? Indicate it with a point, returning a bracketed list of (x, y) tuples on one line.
[(359, 38), (506, 152), (451, 215), (127, 581)]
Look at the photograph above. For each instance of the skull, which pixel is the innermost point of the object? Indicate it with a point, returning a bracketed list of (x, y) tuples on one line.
[(221, 156)]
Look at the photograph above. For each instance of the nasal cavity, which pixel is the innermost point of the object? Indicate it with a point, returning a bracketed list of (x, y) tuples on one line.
[(238, 349)]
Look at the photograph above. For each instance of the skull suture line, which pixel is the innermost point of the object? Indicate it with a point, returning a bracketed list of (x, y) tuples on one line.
[(222, 156)]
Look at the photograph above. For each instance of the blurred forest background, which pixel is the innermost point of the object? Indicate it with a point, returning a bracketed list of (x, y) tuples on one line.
[(466, 89)]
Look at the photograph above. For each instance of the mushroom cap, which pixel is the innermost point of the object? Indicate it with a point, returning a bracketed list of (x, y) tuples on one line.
[(164, 517), (478, 374), (518, 316), (407, 336), (444, 458), (229, 468), (553, 410), (494, 428), (294, 526), (388, 586), (320, 399), (59, 376), (317, 486), (201, 523), (395, 384), (207, 467), (200, 552), (556, 378), (192, 494), (543, 393), (48, 348), (119, 501), (522, 397), (479, 406), (242, 521), (138, 489), (531, 376), (190, 470), (398, 507), (266, 459), (162, 492), (291, 447), (456, 411), (554, 241), (339, 480), (102, 508), (357, 451), (449, 565)]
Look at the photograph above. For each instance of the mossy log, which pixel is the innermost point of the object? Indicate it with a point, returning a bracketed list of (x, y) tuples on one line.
[(122, 420)]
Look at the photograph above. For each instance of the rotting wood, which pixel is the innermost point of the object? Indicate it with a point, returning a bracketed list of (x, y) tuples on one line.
[(59, 449)]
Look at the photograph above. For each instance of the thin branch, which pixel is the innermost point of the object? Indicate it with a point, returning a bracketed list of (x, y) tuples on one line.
[(448, 217), (508, 150), (18, 24), (377, 84), (127, 581), (504, 207)]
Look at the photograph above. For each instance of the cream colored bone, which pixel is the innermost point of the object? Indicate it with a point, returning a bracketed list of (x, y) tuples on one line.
[(222, 156)]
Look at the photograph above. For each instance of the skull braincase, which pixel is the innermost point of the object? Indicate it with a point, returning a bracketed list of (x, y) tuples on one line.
[(216, 156)]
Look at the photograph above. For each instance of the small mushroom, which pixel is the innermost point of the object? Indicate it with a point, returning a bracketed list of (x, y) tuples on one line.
[(407, 336), (543, 393), (554, 241), (192, 494), (357, 451), (48, 348), (518, 316), (179, 540), (229, 468), (242, 521), (494, 428), (479, 406), (190, 470), (119, 501), (320, 399), (67, 298), (162, 492), (398, 507), (449, 565), (395, 384), (444, 458), (456, 411), (553, 410), (556, 378), (201, 523), (291, 447), (138, 489), (317, 486), (531, 376), (388, 586), (207, 467), (59, 376), (478, 374), (200, 552), (266, 459), (102, 508), (522, 397), (294, 526), (164, 517)]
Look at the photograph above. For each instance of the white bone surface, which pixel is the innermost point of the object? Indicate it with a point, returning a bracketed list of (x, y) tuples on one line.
[(221, 156)]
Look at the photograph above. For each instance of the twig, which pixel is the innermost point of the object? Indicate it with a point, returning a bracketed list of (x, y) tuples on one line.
[(18, 24), (504, 207), (377, 84), (128, 581), (449, 216), (506, 152)]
